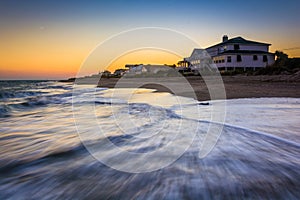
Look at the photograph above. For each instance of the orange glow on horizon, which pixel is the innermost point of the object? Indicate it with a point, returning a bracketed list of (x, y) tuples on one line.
[(43, 68), (46, 54)]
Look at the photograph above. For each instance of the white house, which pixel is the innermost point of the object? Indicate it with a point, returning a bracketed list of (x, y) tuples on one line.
[(146, 69), (234, 53), (120, 72)]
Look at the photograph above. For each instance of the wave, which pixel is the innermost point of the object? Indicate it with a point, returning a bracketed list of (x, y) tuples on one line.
[(243, 162), (66, 153), (266, 135), (23, 89), (4, 111), (19, 94), (31, 102), (237, 129)]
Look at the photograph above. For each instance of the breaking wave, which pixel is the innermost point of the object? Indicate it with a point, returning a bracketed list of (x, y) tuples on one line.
[(42, 157)]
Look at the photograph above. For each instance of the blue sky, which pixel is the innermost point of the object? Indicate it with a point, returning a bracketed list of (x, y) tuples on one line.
[(244, 17)]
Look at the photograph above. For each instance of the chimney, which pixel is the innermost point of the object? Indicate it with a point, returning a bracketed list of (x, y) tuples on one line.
[(225, 38)]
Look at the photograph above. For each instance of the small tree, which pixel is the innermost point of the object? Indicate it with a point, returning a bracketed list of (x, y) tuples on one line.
[(281, 58)]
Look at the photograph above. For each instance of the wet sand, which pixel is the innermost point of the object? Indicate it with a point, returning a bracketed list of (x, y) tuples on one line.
[(239, 86)]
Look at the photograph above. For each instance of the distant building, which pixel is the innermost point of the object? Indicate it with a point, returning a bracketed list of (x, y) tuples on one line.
[(105, 73), (235, 53), (183, 66), (120, 72), (150, 69)]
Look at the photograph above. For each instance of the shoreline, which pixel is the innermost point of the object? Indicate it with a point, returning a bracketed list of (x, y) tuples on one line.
[(235, 86)]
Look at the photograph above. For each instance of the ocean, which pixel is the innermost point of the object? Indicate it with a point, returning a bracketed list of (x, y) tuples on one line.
[(98, 143)]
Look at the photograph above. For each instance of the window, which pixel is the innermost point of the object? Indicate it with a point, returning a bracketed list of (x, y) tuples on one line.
[(238, 58), (254, 57), (229, 59), (236, 47), (265, 58)]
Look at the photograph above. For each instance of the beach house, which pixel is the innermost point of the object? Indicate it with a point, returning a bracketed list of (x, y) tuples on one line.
[(135, 69), (234, 53)]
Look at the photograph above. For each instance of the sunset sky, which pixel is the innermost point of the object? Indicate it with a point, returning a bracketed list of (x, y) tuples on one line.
[(51, 39)]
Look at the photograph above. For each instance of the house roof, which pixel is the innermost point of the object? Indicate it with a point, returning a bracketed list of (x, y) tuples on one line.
[(239, 40), (244, 52), (198, 52)]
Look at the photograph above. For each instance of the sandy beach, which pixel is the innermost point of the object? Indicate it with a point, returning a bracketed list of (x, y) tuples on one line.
[(239, 86)]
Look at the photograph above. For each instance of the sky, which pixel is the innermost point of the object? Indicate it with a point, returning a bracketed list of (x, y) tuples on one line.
[(43, 39)]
